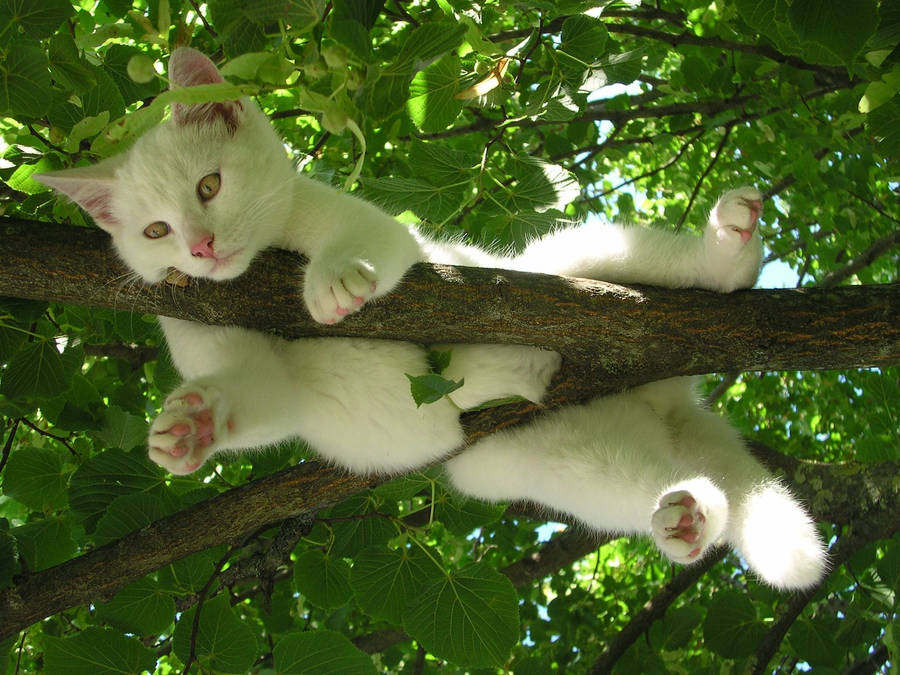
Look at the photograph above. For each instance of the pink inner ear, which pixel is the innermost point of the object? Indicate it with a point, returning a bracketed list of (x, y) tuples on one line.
[(188, 67)]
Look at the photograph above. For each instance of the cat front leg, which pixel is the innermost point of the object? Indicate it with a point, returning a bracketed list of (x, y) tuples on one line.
[(195, 421), (334, 289), (356, 251)]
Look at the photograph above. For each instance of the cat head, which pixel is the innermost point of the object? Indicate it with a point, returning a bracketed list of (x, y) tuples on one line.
[(203, 192)]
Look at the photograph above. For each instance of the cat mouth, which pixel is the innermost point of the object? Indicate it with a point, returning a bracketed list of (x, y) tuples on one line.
[(222, 265)]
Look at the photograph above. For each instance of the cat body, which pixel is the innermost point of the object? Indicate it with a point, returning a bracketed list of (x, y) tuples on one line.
[(649, 460)]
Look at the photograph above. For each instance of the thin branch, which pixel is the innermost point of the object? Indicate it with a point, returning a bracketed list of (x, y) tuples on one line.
[(201, 598), (720, 389), (699, 184), (878, 248), (43, 432), (652, 172), (655, 608), (7, 445), (209, 29), (135, 355)]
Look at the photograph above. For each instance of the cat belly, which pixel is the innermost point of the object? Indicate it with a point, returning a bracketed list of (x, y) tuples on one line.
[(357, 408)]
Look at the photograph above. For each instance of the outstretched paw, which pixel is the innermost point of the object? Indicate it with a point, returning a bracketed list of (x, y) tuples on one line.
[(331, 293), (679, 527), (736, 214), (191, 426)]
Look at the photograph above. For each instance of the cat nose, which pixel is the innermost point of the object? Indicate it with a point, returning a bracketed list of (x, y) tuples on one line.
[(203, 248)]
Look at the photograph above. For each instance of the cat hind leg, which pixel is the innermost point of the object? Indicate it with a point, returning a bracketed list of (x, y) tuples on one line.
[(193, 423), (690, 516)]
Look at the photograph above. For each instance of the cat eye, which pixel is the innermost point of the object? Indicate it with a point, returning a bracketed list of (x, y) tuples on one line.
[(208, 187), (157, 230)]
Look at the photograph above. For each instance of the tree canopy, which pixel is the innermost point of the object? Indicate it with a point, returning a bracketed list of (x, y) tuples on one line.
[(493, 121)]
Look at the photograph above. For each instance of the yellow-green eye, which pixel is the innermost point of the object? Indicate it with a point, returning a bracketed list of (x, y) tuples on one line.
[(157, 230), (208, 187)]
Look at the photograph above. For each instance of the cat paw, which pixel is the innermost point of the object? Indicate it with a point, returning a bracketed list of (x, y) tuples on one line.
[(189, 429), (331, 293), (736, 215), (678, 526)]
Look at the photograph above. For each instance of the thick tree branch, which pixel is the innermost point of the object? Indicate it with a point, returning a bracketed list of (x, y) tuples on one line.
[(626, 335)]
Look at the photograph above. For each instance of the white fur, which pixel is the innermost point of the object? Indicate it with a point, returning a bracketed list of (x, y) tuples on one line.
[(649, 461)]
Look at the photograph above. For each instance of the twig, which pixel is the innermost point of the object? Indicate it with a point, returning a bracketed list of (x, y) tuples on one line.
[(723, 386), (209, 29), (7, 446), (201, 598), (709, 167), (662, 167), (60, 439), (864, 259), (641, 621)]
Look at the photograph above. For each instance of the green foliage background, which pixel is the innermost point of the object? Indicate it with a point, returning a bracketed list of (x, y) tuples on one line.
[(796, 96)]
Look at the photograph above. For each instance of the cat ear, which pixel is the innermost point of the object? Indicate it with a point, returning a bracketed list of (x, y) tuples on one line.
[(189, 68), (91, 187)]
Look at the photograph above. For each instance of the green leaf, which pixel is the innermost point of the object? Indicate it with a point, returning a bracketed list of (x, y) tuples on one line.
[(731, 628), (583, 39), (470, 617), (34, 477), (24, 79), (440, 165), (67, 65), (115, 66), (96, 651), (675, 629), (44, 543), (842, 28), (430, 202), (190, 574), (386, 580), (884, 125), (258, 66), (814, 641), (432, 103), (461, 514), (131, 512), (323, 652), (351, 21), (301, 15), (37, 19), (122, 430), (39, 370), (430, 40), (104, 477), (224, 642), (540, 186), (431, 388), (323, 579), (356, 526), (141, 608)]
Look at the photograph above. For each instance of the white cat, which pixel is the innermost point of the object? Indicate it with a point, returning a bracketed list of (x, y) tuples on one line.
[(206, 191)]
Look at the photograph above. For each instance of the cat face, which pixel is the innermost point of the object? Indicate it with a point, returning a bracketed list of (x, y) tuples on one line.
[(203, 192)]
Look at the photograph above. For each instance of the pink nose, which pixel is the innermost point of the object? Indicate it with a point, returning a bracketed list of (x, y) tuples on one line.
[(203, 248)]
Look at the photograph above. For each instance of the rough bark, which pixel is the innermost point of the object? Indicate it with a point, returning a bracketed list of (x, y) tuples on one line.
[(611, 336), (626, 335)]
